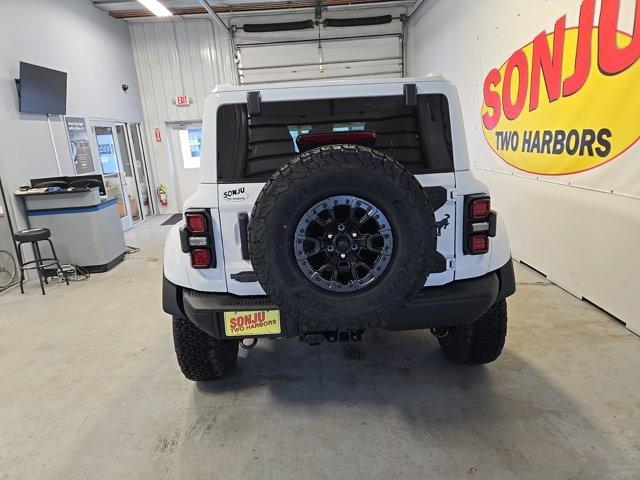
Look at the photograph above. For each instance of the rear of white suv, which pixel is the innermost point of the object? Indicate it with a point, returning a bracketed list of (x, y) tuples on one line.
[(329, 208)]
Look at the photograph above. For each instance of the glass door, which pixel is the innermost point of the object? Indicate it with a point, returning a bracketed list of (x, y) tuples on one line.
[(111, 161), (129, 183), (140, 169)]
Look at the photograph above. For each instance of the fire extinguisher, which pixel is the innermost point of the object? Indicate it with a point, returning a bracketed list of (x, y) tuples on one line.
[(162, 195)]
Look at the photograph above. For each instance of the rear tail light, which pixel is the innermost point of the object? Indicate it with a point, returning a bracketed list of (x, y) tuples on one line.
[(196, 222), (200, 258), (479, 208), (480, 223), (196, 239), (478, 243)]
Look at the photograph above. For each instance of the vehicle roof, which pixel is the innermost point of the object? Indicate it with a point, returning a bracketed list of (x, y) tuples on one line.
[(432, 77)]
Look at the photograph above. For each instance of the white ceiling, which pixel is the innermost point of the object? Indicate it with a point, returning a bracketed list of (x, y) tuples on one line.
[(132, 9)]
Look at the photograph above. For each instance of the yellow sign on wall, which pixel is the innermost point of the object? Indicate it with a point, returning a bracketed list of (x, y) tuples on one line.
[(569, 101)]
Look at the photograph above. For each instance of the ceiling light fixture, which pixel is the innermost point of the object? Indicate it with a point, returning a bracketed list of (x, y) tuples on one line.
[(155, 7)]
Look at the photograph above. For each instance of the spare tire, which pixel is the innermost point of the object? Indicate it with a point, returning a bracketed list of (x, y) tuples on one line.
[(342, 237)]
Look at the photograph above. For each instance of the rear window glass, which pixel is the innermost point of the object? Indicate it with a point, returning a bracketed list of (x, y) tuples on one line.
[(252, 148)]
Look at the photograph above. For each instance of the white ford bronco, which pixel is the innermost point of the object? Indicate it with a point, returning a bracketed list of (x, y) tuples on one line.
[(328, 208)]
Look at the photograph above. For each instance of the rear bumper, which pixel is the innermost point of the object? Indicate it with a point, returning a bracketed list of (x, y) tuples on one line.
[(457, 303)]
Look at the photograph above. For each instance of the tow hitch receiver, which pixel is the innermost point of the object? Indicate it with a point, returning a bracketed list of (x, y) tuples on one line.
[(317, 338)]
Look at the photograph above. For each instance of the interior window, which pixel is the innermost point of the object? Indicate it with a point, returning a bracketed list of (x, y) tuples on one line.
[(295, 131), (190, 141), (349, 127)]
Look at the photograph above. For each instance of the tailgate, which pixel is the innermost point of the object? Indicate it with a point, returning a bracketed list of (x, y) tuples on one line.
[(440, 188), (235, 202)]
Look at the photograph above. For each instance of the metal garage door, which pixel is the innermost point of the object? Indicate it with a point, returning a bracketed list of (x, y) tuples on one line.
[(323, 51)]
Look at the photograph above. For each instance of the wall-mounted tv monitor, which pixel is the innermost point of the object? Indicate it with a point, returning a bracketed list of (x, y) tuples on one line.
[(42, 90)]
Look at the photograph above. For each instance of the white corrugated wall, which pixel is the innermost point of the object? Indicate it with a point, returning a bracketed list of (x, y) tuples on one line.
[(177, 57)]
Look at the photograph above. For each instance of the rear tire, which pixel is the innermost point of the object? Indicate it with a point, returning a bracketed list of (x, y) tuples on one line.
[(200, 356), (479, 342)]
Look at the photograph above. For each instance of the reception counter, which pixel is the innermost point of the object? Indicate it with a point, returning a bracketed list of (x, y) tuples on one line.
[(85, 228)]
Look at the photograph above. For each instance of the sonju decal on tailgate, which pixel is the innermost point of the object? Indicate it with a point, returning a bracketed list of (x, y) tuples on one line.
[(235, 195)]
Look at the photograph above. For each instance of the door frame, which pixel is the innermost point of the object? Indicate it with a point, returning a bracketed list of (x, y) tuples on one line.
[(127, 220), (8, 212), (145, 167), (174, 154), (128, 126), (127, 136)]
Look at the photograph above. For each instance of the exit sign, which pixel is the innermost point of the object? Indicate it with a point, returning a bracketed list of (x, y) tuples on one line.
[(182, 101)]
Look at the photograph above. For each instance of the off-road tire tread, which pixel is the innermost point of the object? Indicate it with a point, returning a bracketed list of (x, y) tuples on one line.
[(479, 342), (200, 356)]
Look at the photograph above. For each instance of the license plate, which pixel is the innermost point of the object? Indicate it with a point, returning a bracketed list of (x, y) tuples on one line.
[(252, 323)]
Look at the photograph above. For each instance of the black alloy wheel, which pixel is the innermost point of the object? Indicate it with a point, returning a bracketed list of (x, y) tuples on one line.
[(343, 243)]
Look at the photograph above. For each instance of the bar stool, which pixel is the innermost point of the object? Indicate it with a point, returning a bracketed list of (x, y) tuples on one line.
[(33, 236)]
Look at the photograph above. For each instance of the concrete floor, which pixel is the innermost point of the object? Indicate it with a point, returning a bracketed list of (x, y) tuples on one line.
[(91, 389)]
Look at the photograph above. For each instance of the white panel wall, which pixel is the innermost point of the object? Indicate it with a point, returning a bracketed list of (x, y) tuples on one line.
[(72, 36), (585, 241), (176, 57)]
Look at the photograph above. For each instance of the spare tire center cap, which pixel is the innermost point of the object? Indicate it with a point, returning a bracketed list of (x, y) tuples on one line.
[(342, 243)]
